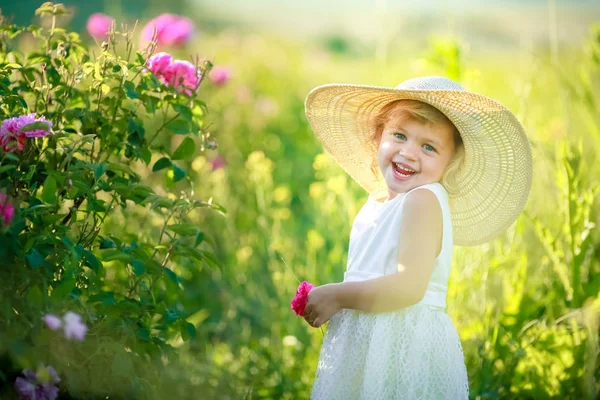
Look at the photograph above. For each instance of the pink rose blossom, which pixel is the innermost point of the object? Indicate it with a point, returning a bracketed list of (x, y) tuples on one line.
[(171, 29), (159, 63), (7, 210), (74, 328), (52, 321), (299, 301), (10, 132), (218, 162), (98, 25), (183, 76), (219, 75)]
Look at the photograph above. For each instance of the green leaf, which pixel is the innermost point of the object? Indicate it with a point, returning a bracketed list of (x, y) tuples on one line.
[(49, 191), (92, 261), (45, 126), (6, 167), (130, 90), (184, 111), (158, 201), (107, 298), (118, 167), (107, 243), (11, 156), (186, 149), (173, 276), (138, 267), (178, 173), (99, 170), (184, 229), (143, 333), (161, 164), (199, 239), (187, 331), (63, 289), (146, 155), (115, 254), (35, 297), (13, 66), (179, 127)]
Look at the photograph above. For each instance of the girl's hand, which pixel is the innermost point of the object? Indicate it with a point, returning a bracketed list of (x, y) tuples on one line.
[(322, 304)]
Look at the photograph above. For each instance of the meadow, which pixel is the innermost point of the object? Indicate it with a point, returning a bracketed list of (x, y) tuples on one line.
[(277, 210)]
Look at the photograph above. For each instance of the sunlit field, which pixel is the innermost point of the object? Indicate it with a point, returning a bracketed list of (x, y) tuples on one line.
[(526, 305)]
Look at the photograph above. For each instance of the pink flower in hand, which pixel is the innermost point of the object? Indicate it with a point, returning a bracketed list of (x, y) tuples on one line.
[(52, 321), (98, 25), (74, 328), (299, 301), (183, 76), (219, 75), (171, 29)]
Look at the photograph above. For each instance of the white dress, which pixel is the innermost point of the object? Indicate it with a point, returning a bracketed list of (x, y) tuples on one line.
[(413, 353)]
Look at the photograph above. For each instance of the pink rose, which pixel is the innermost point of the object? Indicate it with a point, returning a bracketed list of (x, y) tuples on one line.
[(218, 162), (11, 137), (7, 210), (171, 30), (220, 75), (98, 25), (159, 63), (183, 76), (299, 301)]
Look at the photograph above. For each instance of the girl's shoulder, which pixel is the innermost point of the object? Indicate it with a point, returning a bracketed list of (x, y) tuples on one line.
[(435, 187)]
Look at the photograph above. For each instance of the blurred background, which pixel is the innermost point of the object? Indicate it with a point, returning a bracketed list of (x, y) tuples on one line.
[(525, 305)]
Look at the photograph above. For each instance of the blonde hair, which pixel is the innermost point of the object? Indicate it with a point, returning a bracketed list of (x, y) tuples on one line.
[(426, 114)]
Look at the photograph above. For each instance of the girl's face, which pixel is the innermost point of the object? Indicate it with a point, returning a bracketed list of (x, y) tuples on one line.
[(413, 154)]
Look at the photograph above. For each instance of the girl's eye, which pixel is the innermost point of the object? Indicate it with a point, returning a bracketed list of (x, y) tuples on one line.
[(400, 136), (429, 147)]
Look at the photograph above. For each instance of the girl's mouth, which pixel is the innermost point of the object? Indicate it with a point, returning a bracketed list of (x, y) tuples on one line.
[(402, 172)]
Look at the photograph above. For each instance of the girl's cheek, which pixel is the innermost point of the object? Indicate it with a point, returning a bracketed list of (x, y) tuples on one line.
[(385, 145)]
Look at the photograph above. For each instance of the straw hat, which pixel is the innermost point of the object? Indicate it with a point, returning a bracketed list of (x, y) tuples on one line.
[(496, 174)]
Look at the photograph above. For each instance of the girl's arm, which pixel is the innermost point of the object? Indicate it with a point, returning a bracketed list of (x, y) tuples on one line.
[(420, 243)]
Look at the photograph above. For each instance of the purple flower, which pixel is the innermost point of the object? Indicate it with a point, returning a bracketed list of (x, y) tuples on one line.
[(171, 29), (74, 328), (52, 321), (32, 388), (183, 76), (7, 210), (98, 25), (219, 75), (10, 131)]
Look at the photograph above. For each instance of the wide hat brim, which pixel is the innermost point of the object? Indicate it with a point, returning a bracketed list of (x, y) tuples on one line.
[(494, 179)]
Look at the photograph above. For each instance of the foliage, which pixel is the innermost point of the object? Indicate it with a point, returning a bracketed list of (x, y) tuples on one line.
[(89, 234), (526, 305)]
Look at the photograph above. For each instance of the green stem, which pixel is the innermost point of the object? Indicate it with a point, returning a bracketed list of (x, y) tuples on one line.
[(161, 128)]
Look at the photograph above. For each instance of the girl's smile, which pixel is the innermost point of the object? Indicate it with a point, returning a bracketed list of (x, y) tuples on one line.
[(412, 154)]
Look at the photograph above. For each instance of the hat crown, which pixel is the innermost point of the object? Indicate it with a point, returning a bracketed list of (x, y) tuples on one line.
[(430, 83)]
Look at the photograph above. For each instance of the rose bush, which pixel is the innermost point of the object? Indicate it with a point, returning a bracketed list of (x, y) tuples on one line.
[(95, 201)]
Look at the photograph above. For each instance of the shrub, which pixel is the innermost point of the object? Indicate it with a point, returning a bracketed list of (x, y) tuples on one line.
[(82, 233)]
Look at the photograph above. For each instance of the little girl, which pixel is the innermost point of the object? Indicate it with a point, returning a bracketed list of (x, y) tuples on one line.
[(442, 166)]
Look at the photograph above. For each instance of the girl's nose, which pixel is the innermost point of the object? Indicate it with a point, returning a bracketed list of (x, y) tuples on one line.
[(408, 152)]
